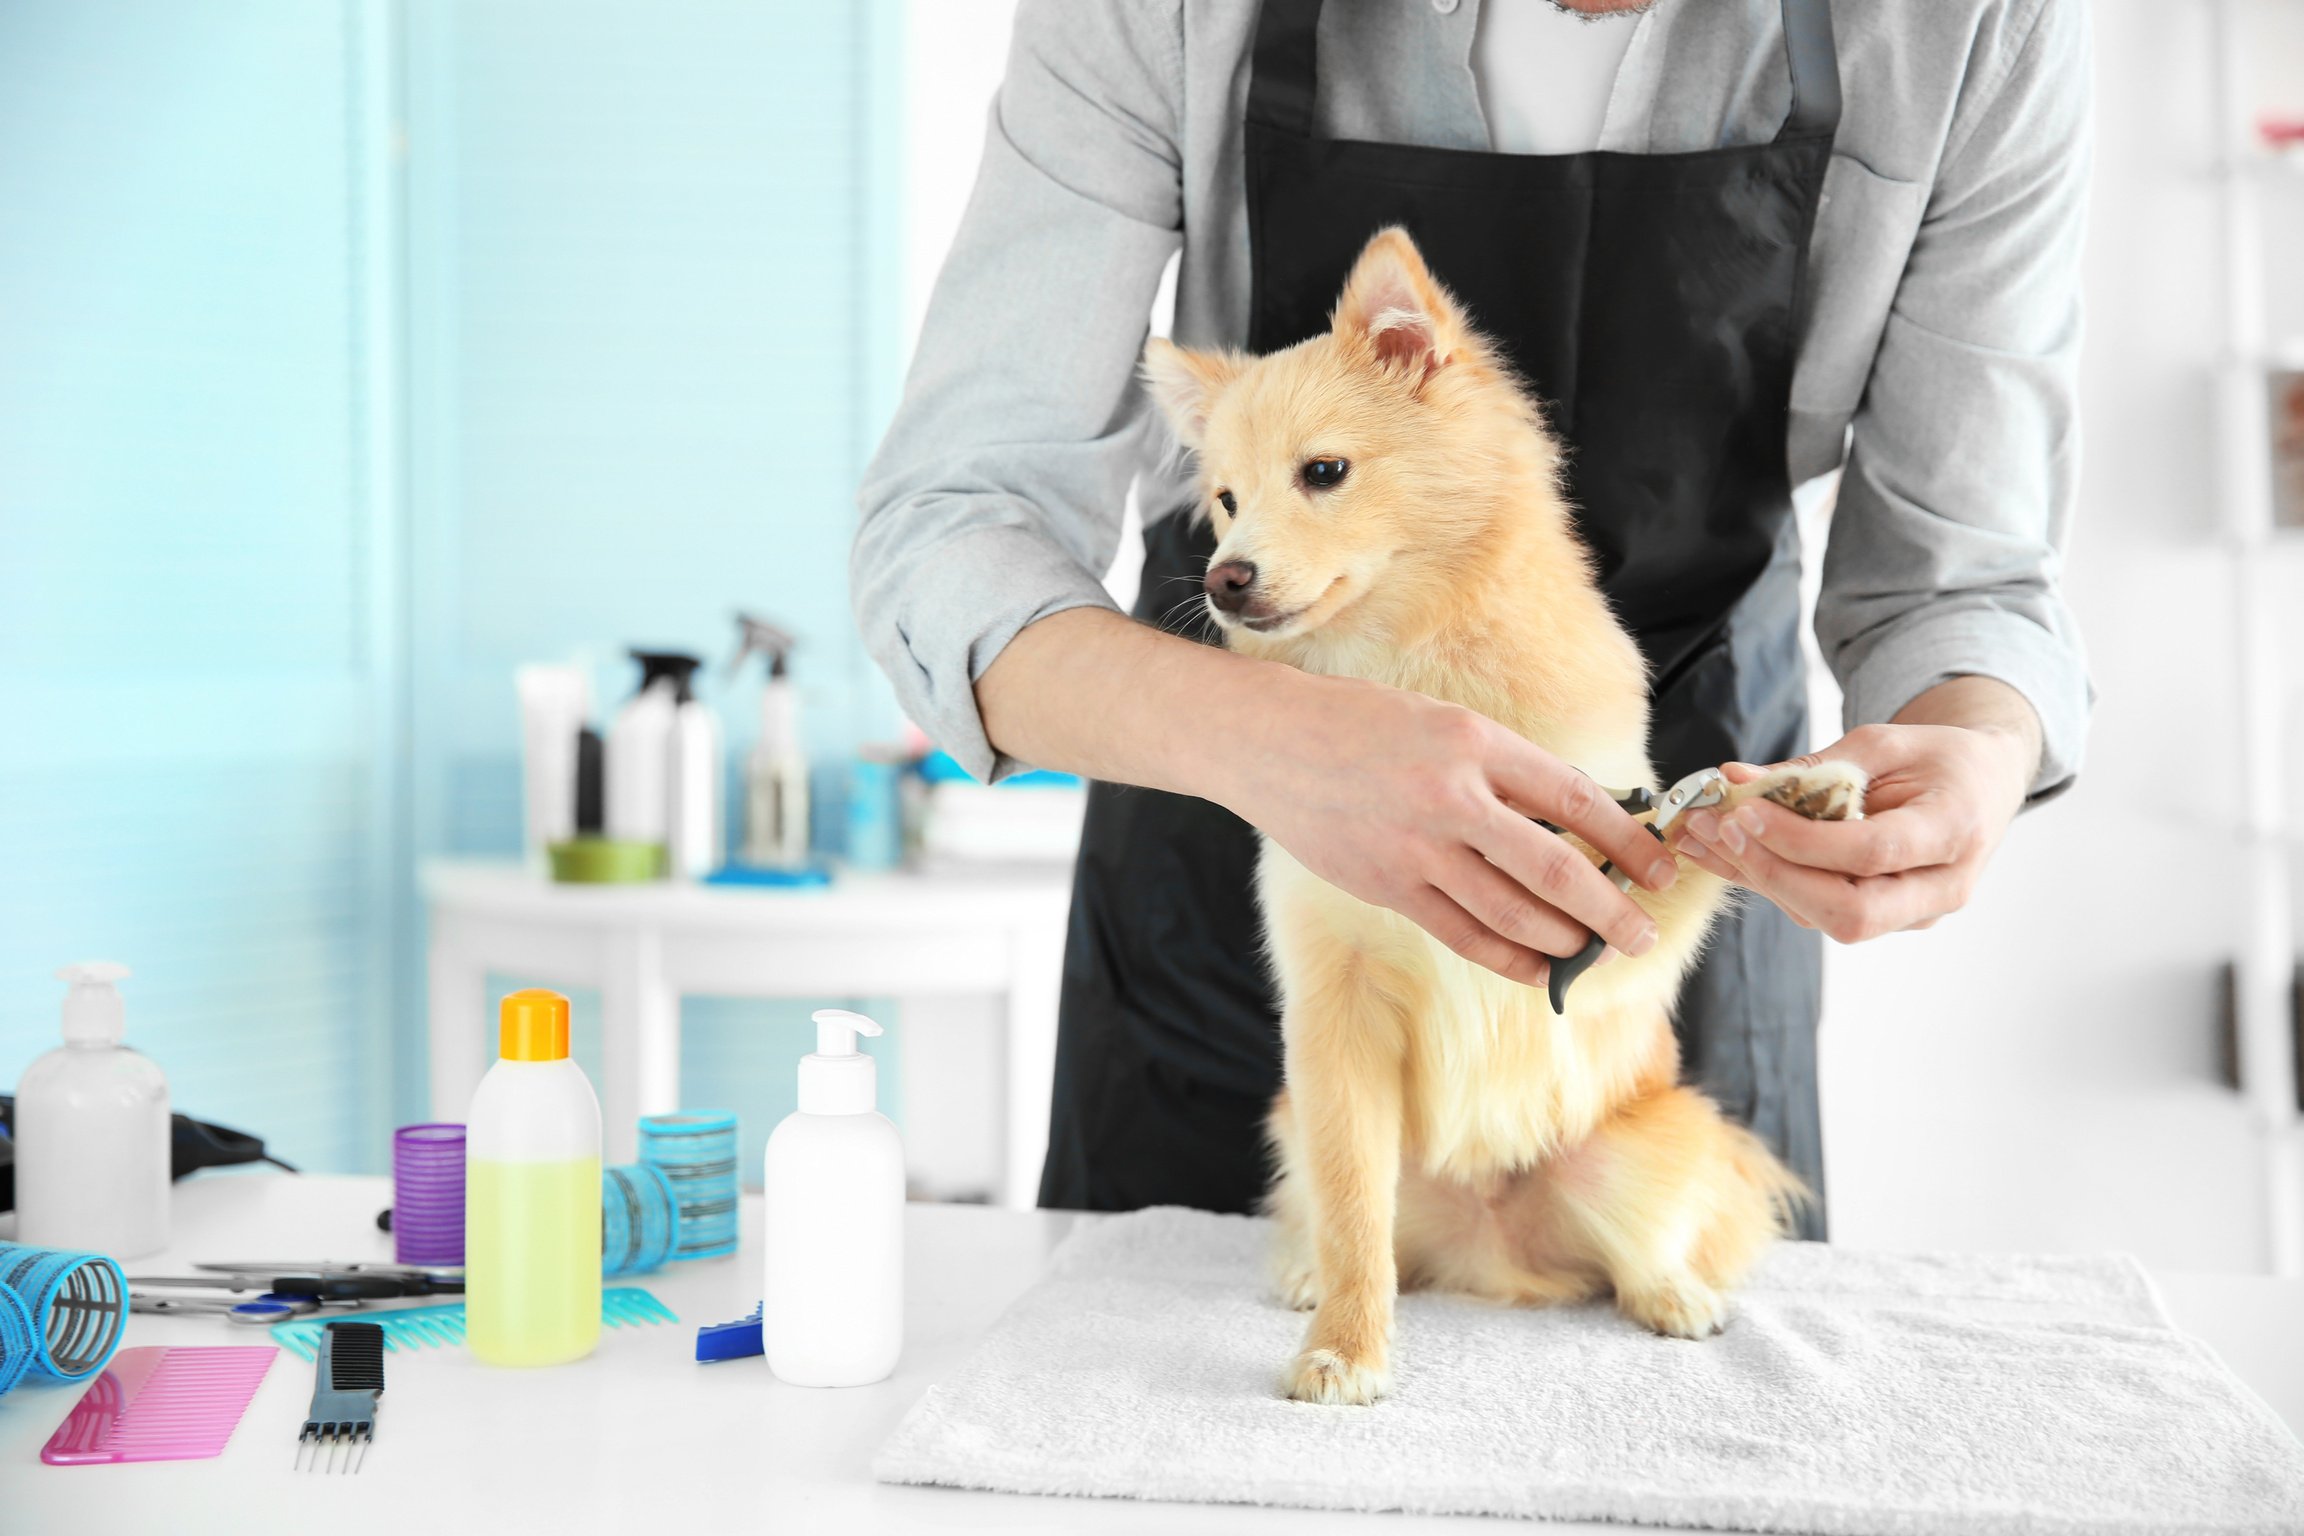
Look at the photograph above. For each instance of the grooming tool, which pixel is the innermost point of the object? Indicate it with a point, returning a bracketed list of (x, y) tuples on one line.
[(161, 1404), (321, 1282), (78, 1303), (263, 1311), (1705, 787), (729, 1341), (335, 1267), (639, 1219), (348, 1378), (621, 1306), (428, 1194), (19, 1340), (697, 1152)]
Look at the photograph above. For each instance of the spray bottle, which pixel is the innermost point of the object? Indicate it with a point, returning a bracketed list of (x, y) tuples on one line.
[(532, 1195), (776, 771), (92, 1137), (832, 1297), (664, 783)]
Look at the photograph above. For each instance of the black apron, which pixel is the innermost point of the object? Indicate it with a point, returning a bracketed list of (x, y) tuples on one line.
[(1651, 302)]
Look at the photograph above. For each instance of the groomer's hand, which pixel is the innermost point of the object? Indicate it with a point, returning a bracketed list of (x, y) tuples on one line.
[(1947, 776), (1425, 808)]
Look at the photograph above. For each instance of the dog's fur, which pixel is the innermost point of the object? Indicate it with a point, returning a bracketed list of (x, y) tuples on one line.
[(1441, 1126)]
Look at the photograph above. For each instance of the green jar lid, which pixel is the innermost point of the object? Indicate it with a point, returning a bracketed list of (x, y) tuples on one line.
[(604, 861)]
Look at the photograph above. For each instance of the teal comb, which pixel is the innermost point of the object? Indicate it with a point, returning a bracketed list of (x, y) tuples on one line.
[(621, 1306)]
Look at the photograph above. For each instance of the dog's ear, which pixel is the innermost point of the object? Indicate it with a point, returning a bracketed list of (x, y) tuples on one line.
[(1185, 383), (1392, 304)]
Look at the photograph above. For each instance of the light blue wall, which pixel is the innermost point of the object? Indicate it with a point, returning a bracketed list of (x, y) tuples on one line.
[(276, 523), (651, 286), (191, 759)]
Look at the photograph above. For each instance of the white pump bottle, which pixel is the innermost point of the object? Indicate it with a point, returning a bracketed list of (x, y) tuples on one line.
[(92, 1140), (832, 1299)]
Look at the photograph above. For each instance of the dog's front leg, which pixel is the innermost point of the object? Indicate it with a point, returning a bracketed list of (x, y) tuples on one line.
[(1344, 1075)]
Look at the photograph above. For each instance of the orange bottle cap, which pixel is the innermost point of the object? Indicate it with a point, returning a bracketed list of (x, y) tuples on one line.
[(532, 1025)]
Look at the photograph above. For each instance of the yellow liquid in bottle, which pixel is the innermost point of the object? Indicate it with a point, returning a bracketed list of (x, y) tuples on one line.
[(532, 1261)]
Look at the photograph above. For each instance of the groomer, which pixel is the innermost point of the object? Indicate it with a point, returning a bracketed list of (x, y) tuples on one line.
[(1734, 244)]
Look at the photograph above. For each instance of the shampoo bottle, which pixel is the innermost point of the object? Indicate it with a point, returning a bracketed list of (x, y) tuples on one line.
[(832, 1298), (532, 1195), (699, 807), (92, 1140), (776, 770)]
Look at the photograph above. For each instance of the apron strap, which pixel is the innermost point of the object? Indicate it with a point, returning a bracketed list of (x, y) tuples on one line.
[(1815, 65), (1285, 73)]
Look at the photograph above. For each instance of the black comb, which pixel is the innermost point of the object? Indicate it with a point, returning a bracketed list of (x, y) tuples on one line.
[(348, 1378)]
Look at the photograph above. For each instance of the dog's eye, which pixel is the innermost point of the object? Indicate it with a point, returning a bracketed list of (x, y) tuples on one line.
[(1225, 498), (1325, 474)]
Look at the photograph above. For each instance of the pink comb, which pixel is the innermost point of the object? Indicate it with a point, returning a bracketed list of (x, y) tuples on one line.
[(161, 1403)]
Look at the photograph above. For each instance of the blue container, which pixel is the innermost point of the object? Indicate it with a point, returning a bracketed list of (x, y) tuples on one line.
[(696, 1151), (875, 814)]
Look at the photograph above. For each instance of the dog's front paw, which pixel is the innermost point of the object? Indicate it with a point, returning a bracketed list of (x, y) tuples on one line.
[(1686, 1308), (1325, 1376), (1826, 791)]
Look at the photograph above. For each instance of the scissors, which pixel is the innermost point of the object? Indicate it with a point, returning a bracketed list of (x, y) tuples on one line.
[(1705, 787), (262, 1312), (327, 1280)]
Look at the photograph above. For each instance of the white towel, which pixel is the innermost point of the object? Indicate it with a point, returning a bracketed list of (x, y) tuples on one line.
[(1853, 1393)]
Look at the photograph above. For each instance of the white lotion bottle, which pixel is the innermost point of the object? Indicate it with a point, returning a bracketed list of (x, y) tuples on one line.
[(639, 791), (92, 1142), (832, 1299), (699, 791)]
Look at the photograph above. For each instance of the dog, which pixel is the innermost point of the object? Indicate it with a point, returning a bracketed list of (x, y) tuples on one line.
[(1389, 505)]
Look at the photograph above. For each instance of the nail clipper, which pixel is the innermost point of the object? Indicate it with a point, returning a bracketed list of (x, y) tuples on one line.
[(1705, 787)]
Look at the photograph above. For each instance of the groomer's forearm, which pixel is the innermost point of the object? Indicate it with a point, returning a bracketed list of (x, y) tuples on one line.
[(1093, 692), (1988, 705)]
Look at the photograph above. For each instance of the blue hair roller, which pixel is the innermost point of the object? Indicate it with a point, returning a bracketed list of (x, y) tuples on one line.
[(18, 1342), (639, 1219), (697, 1152), (78, 1305)]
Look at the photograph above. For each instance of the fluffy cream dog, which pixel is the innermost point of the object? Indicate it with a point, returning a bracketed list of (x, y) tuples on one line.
[(1389, 507)]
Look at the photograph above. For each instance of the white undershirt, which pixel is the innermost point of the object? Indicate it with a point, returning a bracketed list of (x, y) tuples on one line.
[(1545, 74)]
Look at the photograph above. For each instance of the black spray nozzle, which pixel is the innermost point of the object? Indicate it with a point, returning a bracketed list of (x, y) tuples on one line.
[(757, 634), (678, 669)]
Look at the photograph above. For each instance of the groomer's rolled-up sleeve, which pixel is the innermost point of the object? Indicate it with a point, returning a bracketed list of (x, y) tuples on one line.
[(997, 497), (1945, 552)]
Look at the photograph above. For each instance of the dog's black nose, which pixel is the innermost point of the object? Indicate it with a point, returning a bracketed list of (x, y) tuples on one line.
[(1229, 584)]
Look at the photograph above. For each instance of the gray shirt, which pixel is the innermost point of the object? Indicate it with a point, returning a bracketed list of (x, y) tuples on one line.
[(1937, 362)]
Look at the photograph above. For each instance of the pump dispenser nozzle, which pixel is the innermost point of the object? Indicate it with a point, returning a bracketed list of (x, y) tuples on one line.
[(93, 1012), (838, 1079), (837, 1029)]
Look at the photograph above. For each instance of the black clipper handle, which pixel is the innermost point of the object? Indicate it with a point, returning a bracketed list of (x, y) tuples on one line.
[(1565, 972)]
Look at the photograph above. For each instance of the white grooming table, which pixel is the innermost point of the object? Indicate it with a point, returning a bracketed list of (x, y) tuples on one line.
[(639, 1437), (920, 938)]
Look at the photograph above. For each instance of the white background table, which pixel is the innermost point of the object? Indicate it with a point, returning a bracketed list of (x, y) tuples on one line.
[(639, 1438), (923, 939)]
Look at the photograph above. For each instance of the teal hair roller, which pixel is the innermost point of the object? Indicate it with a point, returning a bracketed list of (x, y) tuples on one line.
[(77, 1305)]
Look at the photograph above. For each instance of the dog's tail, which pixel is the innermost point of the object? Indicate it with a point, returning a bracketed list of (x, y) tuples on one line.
[(1758, 1170)]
